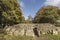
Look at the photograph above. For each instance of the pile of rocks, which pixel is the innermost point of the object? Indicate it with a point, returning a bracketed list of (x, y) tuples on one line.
[(27, 29)]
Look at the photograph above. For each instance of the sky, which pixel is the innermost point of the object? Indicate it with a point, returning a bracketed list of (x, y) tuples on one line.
[(31, 7)]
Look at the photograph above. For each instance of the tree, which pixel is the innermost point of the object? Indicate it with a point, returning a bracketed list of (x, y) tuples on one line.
[(10, 12), (29, 19), (47, 14)]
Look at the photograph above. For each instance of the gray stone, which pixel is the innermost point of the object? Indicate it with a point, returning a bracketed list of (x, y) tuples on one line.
[(27, 29)]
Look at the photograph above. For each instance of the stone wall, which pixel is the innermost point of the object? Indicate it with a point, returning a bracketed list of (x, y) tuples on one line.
[(27, 29)]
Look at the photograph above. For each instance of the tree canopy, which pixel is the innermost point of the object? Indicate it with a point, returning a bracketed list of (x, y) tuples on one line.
[(29, 19), (10, 12), (47, 14)]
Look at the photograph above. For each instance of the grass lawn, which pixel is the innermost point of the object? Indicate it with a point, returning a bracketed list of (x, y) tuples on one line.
[(9, 37), (42, 37)]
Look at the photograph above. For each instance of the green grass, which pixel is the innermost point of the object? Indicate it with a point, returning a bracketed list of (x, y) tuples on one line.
[(2, 36), (42, 37), (51, 37), (9, 37)]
